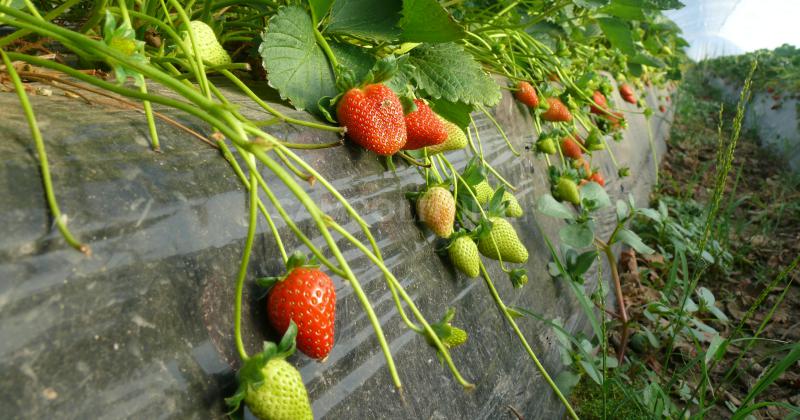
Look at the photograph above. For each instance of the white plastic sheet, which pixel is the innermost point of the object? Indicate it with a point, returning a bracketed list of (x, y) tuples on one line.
[(725, 27)]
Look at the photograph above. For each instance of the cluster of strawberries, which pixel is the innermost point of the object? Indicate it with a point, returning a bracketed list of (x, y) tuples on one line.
[(572, 146), (374, 118)]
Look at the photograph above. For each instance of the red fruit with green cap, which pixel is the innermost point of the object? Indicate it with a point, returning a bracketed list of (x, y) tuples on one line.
[(526, 94), (373, 117), (306, 296), (599, 99), (423, 127), (570, 148), (557, 112)]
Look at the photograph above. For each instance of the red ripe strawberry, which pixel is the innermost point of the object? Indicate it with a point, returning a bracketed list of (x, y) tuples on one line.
[(424, 127), (600, 100), (373, 117), (570, 148), (308, 297), (614, 119), (662, 108), (557, 111), (598, 178), (526, 94), (626, 91)]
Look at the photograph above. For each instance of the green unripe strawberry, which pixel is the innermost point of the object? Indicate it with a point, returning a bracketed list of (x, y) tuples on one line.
[(124, 45), (464, 254), (513, 209), (503, 235), (449, 335), (208, 47), (567, 190), (546, 145), (457, 337), (282, 395), (483, 192), (437, 210), (456, 139)]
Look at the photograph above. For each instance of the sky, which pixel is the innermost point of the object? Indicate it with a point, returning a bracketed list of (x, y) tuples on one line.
[(719, 27)]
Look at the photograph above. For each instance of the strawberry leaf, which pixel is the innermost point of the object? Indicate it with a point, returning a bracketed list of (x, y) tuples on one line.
[(402, 73), (456, 112), (295, 64), (319, 8), (618, 33), (428, 21), (447, 71), (355, 59), (577, 235), (373, 19)]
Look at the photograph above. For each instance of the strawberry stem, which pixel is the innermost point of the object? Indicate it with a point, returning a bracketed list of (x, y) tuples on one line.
[(314, 212), (236, 81), (393, 283), (226, 153), (528, 349), (59, 219), (248, 247)]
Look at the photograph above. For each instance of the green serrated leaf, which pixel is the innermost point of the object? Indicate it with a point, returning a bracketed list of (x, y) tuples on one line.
[(592, 371), (623, 11), (583, 262), (373, 19), (319, 8), (634, 241), (645, 60), (591, 4), (652, 4), (457, 113), (428, 21), (577, 235), (622, 210), (618, 33), (403, 73), (447, 71), (295, 64), (566, 380), (596, 194), (551, 207), (353, 58)]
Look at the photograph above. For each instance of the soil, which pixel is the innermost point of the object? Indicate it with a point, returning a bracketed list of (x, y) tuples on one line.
[(764, 239)]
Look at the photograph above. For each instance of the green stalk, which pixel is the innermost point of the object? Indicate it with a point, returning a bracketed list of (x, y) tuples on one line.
[(48, 17), (528, 349), (60, 220), (428, 330), (201, 72), (652, 148), (499, 128), (248, 247), (148, 109), (226, 153), (350, 277), (151, 122), (236, 81)]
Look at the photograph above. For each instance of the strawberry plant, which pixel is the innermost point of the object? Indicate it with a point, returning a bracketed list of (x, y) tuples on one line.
[(397, 78)]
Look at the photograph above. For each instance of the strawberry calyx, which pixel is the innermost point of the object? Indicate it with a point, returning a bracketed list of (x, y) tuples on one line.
[(518, 277), (250, 375), (449, 335), (296, 260), (497, 205)]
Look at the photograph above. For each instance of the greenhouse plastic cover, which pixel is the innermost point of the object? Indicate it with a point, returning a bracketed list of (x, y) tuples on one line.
[(726, 27)]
